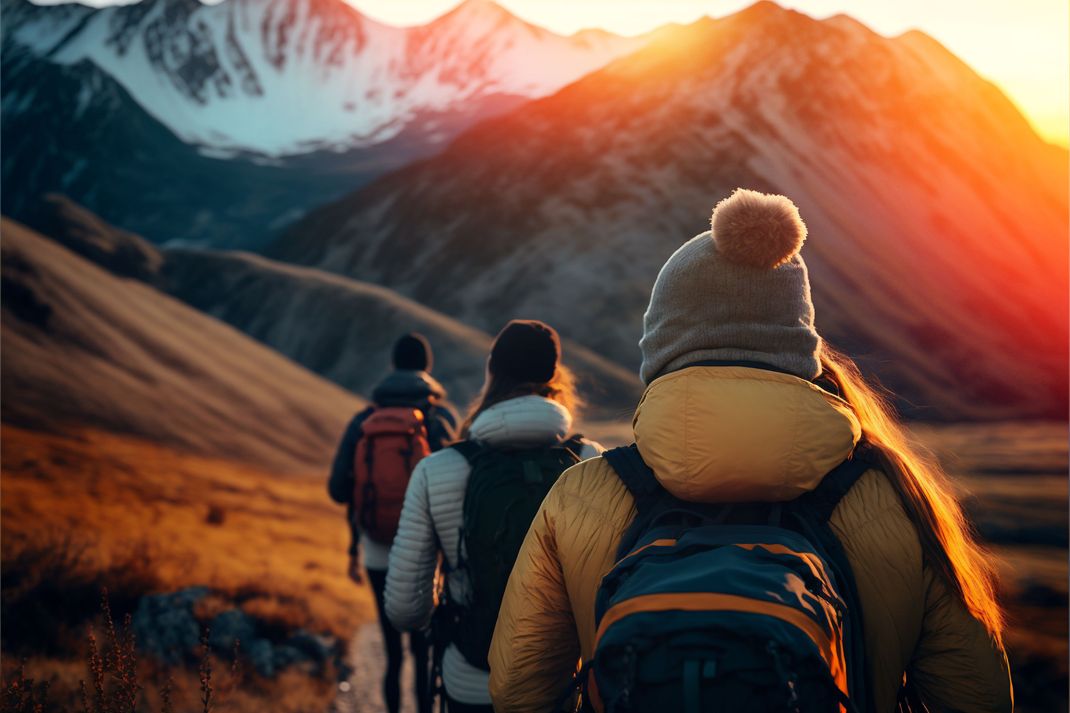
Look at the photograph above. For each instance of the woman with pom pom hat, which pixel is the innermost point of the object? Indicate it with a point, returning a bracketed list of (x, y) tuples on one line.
[(745, 403)]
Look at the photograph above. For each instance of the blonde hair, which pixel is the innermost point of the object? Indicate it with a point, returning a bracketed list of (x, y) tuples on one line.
[(947, 539), (560, 388)]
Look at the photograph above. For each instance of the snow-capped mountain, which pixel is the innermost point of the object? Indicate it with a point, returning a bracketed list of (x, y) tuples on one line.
[(937, 217), (285, 77)]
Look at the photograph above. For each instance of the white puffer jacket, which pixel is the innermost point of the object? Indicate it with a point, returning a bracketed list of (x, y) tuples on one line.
[(432, 516)]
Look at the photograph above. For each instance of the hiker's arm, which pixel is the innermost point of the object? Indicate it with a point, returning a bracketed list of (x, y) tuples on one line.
[(449, 414), (340, 482), (442, 430), (591, 449), (410, 577), (535, 647), (957, 666)]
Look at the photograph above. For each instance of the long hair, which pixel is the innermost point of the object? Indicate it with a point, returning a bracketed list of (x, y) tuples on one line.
[(560, 388), (947, 540)]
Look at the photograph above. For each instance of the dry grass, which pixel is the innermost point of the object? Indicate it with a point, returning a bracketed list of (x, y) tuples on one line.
[(56, 683), (137, 517), (93, 510), (281, 538)]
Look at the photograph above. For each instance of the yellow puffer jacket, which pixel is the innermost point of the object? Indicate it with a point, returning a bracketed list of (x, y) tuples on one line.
[(726, 434)]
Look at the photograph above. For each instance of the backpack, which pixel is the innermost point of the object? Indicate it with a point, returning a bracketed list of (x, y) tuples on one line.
[(505, 489), (392, 442), (728, 607)]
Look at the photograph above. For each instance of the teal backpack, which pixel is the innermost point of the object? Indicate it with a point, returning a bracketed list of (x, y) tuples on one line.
[(739, 607), (505, 489)]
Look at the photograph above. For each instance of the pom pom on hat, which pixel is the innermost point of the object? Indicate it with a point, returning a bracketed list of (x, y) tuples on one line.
[(757, 229)]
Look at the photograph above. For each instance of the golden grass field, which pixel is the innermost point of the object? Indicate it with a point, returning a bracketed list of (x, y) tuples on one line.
[(149, 517), (278, 544)]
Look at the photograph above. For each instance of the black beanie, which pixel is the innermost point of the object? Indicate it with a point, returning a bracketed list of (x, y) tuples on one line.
[(526, 350), (413, 352)]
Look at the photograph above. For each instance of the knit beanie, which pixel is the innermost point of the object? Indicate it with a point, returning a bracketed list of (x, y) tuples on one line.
[(739, 292), (413, 352), (526, 351)]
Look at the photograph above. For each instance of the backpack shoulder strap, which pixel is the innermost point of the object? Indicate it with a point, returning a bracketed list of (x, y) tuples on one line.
[(574, 444), (469, 449), (822, 501), (640, 481), (636, 475)]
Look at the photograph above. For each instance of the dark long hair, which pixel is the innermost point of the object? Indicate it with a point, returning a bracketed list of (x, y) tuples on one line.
[(560, 388), (947, 540)]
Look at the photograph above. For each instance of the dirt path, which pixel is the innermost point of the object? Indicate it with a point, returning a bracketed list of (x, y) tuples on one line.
[(363, 692)]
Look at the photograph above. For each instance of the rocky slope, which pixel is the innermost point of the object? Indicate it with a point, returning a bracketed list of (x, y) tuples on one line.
[(938, 218)]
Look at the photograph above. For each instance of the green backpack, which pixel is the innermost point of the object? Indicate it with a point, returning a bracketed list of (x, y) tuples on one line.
[(505, 490)]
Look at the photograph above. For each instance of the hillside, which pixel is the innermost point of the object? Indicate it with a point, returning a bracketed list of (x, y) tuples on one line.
[(344, 329), (937, 244), (86, 349), (340, 328)]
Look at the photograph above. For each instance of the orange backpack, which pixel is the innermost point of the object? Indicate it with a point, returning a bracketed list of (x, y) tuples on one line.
[(394, 440)]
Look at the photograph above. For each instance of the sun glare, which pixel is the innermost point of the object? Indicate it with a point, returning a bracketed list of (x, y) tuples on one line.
[(1022, 46)]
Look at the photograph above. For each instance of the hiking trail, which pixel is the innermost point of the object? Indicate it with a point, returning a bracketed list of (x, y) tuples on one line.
[(367, 661)]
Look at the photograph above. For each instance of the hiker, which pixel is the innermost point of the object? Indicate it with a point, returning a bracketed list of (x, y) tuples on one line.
[(738, 576), (472, 504), (409, 418)]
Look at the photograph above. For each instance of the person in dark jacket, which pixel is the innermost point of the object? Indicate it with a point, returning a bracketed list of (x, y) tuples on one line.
[(410, 384)]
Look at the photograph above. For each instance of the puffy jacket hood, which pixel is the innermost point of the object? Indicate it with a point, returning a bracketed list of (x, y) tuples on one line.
[(728, 434), (523, 421), (406, 387)]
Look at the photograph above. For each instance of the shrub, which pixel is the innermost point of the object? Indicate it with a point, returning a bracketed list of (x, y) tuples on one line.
[(114, 682), (51, 590)]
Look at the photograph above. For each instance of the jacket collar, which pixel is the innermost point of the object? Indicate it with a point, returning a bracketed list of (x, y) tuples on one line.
[(727, 434), (523, 421), (405, 387)]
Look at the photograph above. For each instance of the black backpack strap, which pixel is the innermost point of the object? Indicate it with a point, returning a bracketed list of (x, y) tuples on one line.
[(636, 475), (574, 444), (823, 499), (640, 481), (817, 508), (469, 449)]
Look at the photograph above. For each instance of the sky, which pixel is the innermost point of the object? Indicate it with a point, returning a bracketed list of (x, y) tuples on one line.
[(1020, 45)]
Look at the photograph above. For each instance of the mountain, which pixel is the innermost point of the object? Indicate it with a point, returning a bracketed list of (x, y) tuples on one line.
[(73, 129), (84, 348), (285, 77), (217, 125), (340, 328), (937, 217)]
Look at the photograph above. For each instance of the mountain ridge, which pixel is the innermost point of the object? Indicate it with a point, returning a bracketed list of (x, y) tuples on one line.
[(229, 121), (337, 327), (201, 69), (607, 176)]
